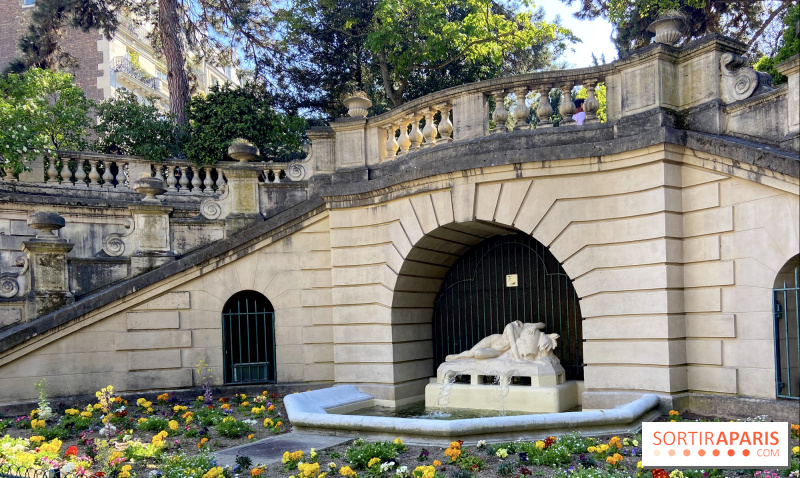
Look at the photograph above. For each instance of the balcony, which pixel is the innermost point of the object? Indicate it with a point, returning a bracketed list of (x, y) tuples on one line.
[(133, 77)]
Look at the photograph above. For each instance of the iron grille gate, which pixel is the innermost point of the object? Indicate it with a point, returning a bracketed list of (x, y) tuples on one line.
[(474, 300), (786, 313), (248, 337)]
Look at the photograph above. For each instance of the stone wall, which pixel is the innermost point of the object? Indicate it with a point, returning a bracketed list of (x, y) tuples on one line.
[(672, 251)]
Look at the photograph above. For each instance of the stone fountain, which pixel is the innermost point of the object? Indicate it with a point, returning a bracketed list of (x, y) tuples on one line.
[(515, 370)]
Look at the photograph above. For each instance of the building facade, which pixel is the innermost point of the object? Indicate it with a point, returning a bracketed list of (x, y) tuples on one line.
[(662, 245), (126, 61)]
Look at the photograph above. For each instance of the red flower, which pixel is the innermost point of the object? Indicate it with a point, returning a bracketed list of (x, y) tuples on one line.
[(273, 395), (99, 474), (71, 451), (659, 473), (460, 442)]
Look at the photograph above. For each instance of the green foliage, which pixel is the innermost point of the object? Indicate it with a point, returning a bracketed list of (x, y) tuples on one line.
[(581, 472), (182, 466), (576, 443), (129, 127), (245, 112), (554, 455), (40, 109), (470, 462), (79, 422), (600, 94), (233, 428), (154, 424), (361, 453), (208, 417), (631, 18), (57, 431), (461, 474), (444, 32), (789, 46), (505, 469)]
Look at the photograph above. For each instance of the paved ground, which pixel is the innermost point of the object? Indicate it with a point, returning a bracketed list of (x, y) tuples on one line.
[(270, 450)]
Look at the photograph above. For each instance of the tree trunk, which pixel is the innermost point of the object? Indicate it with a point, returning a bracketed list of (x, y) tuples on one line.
[(392, 94), (170, 29)]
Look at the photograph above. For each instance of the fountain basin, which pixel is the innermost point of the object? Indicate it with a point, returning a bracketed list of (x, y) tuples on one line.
[(311, 411), (531, 399)]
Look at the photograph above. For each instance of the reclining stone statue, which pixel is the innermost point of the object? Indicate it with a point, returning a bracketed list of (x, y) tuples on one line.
[(518, 342)]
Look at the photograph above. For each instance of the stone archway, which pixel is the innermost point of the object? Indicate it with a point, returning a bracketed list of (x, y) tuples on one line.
[(248, 338), (786, 323)]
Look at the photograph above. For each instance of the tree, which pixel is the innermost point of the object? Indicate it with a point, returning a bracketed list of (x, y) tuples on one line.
[(127, 126), (789, 45), (743, 20), (40, 109), (335, 46), (227, 113), (423, 35), (213, 30), (41, 43)]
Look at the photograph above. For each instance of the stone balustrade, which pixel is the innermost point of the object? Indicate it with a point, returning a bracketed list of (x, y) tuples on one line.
[(463, 112), (106, 171), (705, 85)]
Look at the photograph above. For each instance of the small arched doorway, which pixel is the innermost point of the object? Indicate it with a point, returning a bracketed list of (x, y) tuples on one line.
[(786, 322), (248, 338), (502, 279)]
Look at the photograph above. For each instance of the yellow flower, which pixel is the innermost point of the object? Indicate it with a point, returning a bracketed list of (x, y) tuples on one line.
[(200, 399), (639, 465), (142, 420), (796, 450), (173, 425), (308, 470), (37, 424), (244, 404), (398, 441), (36, 439), (71, 411), (455, 444), (268, 423), (374, 461), (424, 472), (540, 445), (86, 414), (179, 408), (347, 471), (214, 472)]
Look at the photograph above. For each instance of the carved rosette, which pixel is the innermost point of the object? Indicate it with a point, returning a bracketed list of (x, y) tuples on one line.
[(739, 81)]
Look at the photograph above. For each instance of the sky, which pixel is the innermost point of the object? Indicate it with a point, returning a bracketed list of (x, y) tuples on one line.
[(596, 34)]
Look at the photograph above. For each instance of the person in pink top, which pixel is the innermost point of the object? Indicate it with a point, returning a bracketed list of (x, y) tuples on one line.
[(579, 114)]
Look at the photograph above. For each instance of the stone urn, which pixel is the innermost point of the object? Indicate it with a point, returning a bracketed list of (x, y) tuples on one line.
[(150, 187), (357, 105), (46, 223), (668, 28), (242, 151)]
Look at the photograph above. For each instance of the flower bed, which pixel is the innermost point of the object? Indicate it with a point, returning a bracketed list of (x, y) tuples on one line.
[(170, 438), (114, 438)]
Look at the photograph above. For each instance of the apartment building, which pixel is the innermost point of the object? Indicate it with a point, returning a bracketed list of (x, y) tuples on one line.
[(126, 61)]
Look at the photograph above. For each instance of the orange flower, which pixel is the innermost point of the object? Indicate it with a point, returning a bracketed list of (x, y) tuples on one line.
[(202, 442), (674, 413), (279, 424), (615, 442), (256, 471), (437, 463)]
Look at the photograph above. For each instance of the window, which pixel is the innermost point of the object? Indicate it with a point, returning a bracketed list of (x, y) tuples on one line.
[(27, 3)]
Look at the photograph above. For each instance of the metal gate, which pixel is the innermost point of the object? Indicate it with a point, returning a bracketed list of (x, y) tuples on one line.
[(786, 323), (498, 281), (248, 337)]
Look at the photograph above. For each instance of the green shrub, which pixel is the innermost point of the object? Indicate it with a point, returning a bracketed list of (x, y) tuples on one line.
[(227, 113), (233, 428), (361, 453), (553, 456), (127, 126), (182, 466), (79, 422), (577, 443), (155, 424), (505, 469), (470, 462), (58, 431)]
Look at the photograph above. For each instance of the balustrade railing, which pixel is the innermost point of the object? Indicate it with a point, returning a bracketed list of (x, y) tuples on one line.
[(463, 110), (114, 172)]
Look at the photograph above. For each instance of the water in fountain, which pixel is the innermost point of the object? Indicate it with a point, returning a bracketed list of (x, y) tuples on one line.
[(444, 394), (502, 383)]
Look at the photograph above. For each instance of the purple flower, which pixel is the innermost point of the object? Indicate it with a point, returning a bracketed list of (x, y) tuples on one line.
[(523, 456)]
